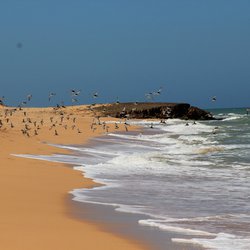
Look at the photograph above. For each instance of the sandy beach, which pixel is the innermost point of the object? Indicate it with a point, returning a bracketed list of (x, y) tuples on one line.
[(34, 211)]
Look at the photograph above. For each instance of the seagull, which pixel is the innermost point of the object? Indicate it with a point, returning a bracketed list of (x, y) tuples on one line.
[(75, 92), (158, 92), (29, 97), (74, 100), (214, 99), (149, 96), (117, 100), (95, 95), (51, 95)]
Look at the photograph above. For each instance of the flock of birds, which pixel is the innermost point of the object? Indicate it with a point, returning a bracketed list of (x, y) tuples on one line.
[(74, 96), (30, 123), (60, 118)]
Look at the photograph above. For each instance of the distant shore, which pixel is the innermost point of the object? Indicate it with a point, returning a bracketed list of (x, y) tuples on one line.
[(35, 209)]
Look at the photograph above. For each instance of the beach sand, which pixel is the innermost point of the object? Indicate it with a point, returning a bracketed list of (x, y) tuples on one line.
[(35, 211)]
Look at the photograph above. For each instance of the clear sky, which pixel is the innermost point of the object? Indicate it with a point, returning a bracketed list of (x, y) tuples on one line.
[(194, 49)]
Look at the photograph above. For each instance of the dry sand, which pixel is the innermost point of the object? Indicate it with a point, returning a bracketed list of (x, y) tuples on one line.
[(34, 211)]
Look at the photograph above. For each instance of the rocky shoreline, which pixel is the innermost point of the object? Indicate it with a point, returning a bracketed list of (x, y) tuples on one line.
[(145, 110)]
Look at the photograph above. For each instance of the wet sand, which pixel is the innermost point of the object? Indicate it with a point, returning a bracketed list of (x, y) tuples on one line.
[(125, 224)]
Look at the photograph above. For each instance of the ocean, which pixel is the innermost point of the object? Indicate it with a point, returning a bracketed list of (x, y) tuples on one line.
[(185, 177)]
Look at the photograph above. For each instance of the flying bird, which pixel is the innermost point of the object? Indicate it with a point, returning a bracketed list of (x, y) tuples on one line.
[(149, 96), (213, 98), (158, 92), (117, 100), (75, 92), (95, 95), (74, 100), (51, 95), (29, 97)]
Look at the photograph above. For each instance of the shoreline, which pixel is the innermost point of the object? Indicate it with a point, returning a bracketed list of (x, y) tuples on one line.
[(33, 210), (106, 218), (125, 223)]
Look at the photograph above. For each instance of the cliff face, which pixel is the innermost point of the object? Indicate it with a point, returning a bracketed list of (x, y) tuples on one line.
[(154, 110)]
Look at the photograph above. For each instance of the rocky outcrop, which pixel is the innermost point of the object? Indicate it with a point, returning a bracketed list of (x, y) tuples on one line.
[(154, 110), (195, 113)]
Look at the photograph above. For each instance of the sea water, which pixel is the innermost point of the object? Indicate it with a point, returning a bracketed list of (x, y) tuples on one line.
[(190, 178)]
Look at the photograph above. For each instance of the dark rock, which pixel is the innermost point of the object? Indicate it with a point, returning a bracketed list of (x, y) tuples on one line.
[(195, 113), (180, 110), (153, 110)]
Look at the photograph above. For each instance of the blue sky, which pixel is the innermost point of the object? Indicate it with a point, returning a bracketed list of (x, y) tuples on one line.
[(195, 49)]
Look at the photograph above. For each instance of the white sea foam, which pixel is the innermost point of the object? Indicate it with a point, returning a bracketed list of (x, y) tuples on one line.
[(82, 196), (221, 242), (237, 146), (182, 129), (40, 157), (194, 139), (232, 118), (161, 225)]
